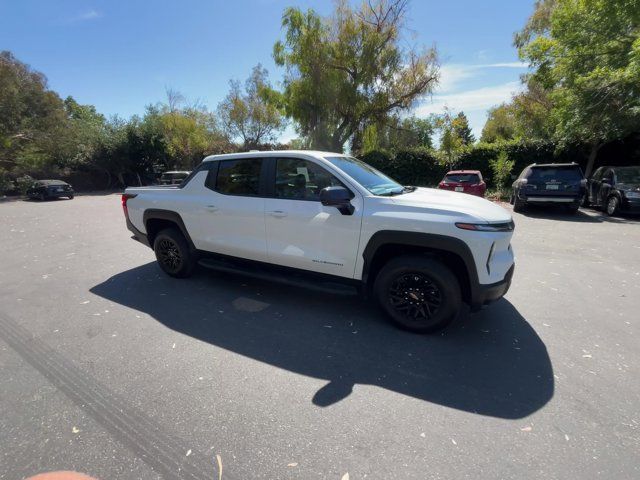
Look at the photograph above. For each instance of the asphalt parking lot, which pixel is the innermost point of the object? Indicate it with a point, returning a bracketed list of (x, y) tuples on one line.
[(111, 368)]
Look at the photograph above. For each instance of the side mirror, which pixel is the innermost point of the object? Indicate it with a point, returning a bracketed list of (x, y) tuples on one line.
[(338, 197)]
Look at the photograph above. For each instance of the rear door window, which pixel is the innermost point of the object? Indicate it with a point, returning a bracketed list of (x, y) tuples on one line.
[(239, 177)]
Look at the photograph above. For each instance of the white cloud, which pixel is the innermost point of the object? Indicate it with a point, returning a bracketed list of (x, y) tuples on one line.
[(505, 65), (483, 55), (477, 99), (474, 103), (455, 73), (452, 75), (86, 16)]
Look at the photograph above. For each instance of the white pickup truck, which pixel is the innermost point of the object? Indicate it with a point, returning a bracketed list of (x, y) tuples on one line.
[(320, 218)]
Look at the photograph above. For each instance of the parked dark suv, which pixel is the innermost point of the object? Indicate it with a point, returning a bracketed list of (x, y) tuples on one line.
[(549, 184), (614, 189)]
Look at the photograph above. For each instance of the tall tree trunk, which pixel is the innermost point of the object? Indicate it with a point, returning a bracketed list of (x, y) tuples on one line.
[(592, 159)]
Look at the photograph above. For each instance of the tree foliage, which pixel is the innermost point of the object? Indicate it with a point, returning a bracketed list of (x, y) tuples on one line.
[(526, 117), (32, 117), (460, 125), (501, 168), (586, 55), (349, 70), (253, 116)]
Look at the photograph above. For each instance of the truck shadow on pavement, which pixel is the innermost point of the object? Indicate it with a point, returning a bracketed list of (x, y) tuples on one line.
[(491, 363)]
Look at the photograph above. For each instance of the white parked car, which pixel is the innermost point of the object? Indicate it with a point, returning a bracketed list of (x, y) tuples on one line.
[(320, 218)]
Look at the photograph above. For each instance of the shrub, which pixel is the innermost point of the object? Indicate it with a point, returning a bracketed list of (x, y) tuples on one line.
[(501, 168), (5, 183), (23, 183)]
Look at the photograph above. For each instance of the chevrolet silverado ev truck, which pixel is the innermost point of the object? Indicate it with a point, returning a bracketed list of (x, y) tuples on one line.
[(328, 219)]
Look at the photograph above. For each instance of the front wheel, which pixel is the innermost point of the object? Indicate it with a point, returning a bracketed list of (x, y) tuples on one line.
[(418, 293), (173, 253)]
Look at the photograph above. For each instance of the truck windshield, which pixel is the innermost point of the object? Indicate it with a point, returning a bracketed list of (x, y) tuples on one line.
[(367, 176)]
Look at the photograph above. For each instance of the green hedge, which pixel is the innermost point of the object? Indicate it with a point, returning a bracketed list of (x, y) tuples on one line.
[(409, 167), (422, 167)]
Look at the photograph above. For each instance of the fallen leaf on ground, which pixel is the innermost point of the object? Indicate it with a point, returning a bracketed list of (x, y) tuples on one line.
[(526, 429), (75, 430), (219, 467), (188, 452), (294, 464), (345, 476)]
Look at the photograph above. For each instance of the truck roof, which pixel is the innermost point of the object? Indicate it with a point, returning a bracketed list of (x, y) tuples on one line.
[(271, 153)]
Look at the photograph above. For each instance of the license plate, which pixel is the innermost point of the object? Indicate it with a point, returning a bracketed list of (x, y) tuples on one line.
[(459, 189), (553, 187)]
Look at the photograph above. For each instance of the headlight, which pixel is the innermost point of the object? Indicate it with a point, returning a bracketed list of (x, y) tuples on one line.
[(632, 194), (487, 227)]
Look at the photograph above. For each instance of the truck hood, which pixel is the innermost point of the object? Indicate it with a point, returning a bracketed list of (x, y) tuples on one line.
[(458, 203)]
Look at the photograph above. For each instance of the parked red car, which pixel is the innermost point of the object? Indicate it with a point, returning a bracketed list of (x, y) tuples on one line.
[(466, 181)]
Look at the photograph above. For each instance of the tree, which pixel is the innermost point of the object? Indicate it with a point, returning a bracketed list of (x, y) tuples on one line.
[(462, 129), (500, 125), (349, 70), (370, 139), (252, 115), (526, 117), (451, 145), (587, 57), (32, 117)]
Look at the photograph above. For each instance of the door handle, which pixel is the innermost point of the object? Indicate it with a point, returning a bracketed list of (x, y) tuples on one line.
[(211, 208), (277, 213)]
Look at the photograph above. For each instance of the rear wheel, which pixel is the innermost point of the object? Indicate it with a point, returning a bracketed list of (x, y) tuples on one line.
[(70, 197), (173, 253), (613, 205), (418, 293), (518, 205)]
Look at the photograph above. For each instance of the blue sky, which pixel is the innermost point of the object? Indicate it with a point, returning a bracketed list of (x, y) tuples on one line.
[(122, 55)]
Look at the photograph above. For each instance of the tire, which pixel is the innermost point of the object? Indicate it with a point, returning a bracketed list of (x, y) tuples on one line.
[(70, 197), (573, 209), (435, 290), (42, 197), (518, 205), (612, 206), (585, 201), (173, 254)]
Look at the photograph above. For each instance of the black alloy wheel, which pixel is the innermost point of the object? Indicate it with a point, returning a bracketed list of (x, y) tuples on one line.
[(415, 296), (418, 293), (169, 254), (173, 253)]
